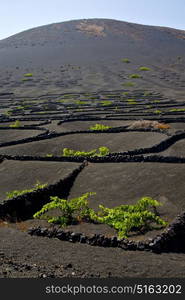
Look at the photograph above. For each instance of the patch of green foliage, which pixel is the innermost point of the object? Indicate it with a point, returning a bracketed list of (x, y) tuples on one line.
[(72, 210), (65, 100), (123, 218), (146, 94), (20, 107), (144, 69), (128, 84), (177, 109), (17, 124), (49, 155), (106, 102), (8, 113), (68, 96), (80, 102), (102, 151), (99, 127), (16, 193), (28, 75), (135, 76), (131, 101), (157, 111), (125, 60)]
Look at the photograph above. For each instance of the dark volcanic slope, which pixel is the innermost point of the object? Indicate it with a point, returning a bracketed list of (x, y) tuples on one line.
[(96, 39), (86, 54)]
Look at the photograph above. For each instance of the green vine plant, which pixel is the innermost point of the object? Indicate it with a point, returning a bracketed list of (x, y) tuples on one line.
[(16, 193), (98, 127), (16, 124), (124, 218), (102, 151), (72, 211)]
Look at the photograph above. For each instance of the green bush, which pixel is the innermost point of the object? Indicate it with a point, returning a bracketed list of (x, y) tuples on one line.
[(8, 113), (144, 69), (125, 60), (131, 101), (99, 127), (157, 111), (146, 94), (126, 218), (123, 218), (106, 103), (80, 102), (177, 109), (17, 124), (135, 76), (28, 75), (16, 193), (128, 84), (49, 155), (102, 152), (71, 210)]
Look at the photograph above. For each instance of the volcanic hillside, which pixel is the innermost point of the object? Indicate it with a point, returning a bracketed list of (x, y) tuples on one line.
[(89, 55)]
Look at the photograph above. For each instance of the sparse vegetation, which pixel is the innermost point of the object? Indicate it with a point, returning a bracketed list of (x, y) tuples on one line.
[(157, 111), (28, 75), (8, 113), (135, 76), (128, 84), (80, 102), (144, 69), (106, 103), (16, 193), (123, 218), (146, 94), (102, 151), (17, 124), (127, 218), (177, 109), (131, 101), (72, 211), (99, 127), (125, 60)]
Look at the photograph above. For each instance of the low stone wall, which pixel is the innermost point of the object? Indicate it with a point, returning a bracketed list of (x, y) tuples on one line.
[(49, 135), (25, 128), (39, 137), (171, 240), (111, 158)]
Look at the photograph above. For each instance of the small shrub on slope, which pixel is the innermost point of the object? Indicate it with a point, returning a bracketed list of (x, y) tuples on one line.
[(17, 124), (100, 127), (102, 151), (16, 193)]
